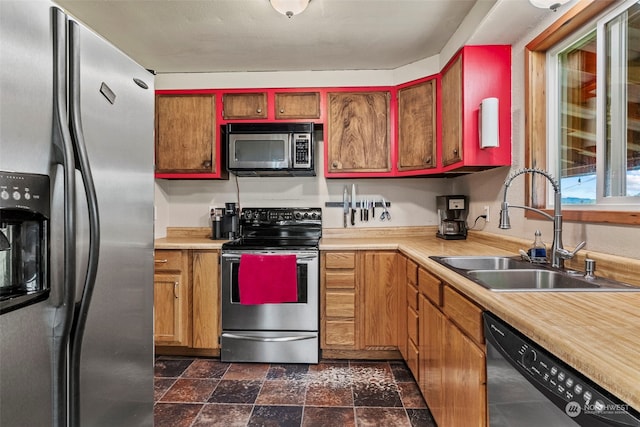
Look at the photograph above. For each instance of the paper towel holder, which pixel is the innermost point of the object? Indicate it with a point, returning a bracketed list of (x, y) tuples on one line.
[(488, 123)]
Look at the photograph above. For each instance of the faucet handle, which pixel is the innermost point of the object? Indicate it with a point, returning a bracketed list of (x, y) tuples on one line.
[(565, 254)]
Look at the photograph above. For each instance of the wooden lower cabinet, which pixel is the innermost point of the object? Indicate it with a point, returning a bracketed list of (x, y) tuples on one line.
[(432, 356), (206, 299), (171, 309), (452, 358), (359, 300), (186, 301), (379, 317), (464, 380)]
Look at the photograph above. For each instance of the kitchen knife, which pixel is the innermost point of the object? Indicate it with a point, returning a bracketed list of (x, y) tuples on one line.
[(345, 205), (353, 204)]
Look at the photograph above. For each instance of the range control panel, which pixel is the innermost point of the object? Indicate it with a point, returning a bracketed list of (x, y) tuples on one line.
[(559, 382), (280, 215)]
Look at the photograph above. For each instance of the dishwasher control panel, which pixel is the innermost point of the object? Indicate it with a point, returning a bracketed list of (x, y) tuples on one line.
[(571, 391)]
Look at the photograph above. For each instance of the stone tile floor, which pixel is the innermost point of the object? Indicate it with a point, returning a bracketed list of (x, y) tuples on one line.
[(200, 392)]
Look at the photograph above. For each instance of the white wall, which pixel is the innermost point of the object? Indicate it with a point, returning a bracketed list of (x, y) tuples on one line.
[(185, 203), (486, 188)]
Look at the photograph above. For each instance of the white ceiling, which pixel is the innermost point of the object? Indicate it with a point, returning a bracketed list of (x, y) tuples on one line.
[(248, 35)]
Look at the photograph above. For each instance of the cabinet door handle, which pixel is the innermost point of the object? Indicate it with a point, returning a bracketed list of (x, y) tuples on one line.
[(281, 110), (455, 151), (427, 160), (175, 289), (206, 163), (161, 261), (258, 110)]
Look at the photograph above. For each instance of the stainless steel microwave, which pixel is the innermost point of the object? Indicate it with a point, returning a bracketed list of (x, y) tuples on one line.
[(270, 149)]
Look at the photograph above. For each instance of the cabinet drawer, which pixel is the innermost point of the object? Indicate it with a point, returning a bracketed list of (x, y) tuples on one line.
[(340, 304), (412, 297), (464, 313), (412, 325), (412, 272), (340, 332), (168, 260), (340, 260), (430, 286), (340, 279)]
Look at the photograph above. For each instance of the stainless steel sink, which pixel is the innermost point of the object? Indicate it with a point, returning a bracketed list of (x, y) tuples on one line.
[(482, 262), (505, 274)]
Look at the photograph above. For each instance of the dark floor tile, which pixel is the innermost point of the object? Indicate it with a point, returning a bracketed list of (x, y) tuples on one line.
[(421, 418), (175, 414), (246, 371), (322, 395), (377, 417), (206, 368), (276, 416), (279, 392), (241, 391), (160, 387), (223, 415), (190, 390), (410, 395), (376, 394), (328, 417), (171, 368), (401, 372), (292, 371)]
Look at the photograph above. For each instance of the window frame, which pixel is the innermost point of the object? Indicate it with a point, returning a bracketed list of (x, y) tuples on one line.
[(536, 114)]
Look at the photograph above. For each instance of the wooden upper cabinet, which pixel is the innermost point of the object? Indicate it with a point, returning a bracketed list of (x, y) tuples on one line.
[(250, 105), (185, 134), (452, 113), (358, 132), (297, 105), (417, 126), (474, 74)]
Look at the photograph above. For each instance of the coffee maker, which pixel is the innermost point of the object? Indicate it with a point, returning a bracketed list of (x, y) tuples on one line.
[(452, 216), (224, 222)]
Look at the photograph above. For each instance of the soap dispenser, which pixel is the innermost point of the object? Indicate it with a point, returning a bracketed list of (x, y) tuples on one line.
[(538, 250)]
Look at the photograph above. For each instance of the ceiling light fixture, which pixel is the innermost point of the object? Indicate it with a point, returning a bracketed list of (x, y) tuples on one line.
[(548, 4), (289, 7)]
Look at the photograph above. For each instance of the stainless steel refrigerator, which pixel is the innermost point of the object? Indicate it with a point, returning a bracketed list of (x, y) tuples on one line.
[(76, 225)]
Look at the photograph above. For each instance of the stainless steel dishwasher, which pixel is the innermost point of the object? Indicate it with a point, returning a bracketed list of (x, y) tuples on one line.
[(529, 387)]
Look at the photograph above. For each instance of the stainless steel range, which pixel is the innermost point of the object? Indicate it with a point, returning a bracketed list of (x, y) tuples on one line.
[(270, 287)]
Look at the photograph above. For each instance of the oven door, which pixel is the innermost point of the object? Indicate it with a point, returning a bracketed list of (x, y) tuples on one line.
[(294, 316)]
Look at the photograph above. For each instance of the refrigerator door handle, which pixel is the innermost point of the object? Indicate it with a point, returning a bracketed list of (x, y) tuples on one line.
[(65, 156), (82, 308)]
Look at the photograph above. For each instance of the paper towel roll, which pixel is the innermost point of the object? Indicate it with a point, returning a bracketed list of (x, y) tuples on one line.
[(488, 123)]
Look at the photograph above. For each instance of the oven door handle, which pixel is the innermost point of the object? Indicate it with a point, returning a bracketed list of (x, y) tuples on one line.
[(270, 339), (299, 257)]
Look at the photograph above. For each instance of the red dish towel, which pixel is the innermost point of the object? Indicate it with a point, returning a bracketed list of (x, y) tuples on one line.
[(267, 279)]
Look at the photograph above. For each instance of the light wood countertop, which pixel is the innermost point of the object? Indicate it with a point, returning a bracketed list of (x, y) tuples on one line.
[(597, 333)]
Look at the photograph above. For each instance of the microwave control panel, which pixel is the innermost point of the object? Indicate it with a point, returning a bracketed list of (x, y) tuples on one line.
[(302, 150)]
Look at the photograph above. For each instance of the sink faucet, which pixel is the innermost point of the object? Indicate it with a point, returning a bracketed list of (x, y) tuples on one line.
[(558, 252)]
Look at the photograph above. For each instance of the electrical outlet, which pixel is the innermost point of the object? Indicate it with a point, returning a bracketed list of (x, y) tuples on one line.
[(486, 212), (211, 209)]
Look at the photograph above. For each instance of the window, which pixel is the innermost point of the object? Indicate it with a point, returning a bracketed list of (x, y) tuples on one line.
[(583, 96), (594, 114)]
